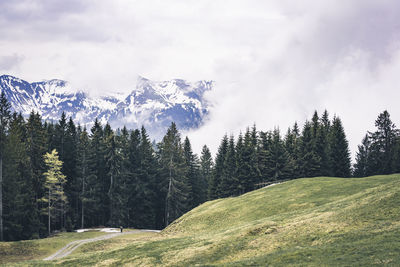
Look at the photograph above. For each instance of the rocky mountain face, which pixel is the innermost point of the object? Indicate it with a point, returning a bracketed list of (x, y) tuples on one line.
[(151, 104)]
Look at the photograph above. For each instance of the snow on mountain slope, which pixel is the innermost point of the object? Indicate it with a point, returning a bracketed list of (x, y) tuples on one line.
[(152, 104)]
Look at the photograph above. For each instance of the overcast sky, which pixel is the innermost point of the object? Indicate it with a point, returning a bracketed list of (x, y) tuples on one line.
[(274, 62)]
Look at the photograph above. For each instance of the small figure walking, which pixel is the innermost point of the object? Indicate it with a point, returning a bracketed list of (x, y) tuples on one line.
[(121, 228)]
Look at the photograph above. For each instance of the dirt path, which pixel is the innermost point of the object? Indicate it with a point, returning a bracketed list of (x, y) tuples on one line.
[(66, 250)]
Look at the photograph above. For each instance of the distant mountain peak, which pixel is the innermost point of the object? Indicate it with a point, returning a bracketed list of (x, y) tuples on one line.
[(153, 104)]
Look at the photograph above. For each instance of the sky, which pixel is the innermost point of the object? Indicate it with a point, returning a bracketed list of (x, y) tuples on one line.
[(273, 62)]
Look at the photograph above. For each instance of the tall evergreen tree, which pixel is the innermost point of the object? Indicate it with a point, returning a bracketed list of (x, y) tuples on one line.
[(133, 181), (250, 173), (229, 184), (265, 161), (72, 187), (396, 155), (292, 147), (361, 168), (340, 154), (310, 160), (96, 190), (195, 178), (206, 166), (323, 147), (4, 120), (218, 171), (281, 167), (113, 160), (83, 172), (173, 169), (36, 148), (125, 176), (146, 187), (383, 142)]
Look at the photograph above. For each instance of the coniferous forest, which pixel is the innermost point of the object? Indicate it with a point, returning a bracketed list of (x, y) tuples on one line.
[(62, 176)]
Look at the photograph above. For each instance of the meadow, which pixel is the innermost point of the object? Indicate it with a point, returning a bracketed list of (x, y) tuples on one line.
[(308, 221)]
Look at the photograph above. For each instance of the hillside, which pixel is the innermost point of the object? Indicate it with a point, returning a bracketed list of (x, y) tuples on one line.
[(310, 221)]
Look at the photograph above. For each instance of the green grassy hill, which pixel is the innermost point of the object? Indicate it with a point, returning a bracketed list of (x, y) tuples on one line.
[(314, 221)]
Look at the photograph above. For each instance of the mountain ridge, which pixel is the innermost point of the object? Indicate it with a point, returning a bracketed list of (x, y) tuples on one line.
[(153, 104)]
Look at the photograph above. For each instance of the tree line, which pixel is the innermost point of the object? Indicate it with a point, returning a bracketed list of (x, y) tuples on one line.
[(120, 177)]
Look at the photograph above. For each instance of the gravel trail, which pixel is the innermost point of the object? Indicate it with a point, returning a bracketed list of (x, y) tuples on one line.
[(70, 247)]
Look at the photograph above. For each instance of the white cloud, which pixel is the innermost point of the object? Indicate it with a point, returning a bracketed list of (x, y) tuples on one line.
[(274, 62)]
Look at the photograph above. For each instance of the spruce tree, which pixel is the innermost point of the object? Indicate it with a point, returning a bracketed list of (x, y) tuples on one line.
[(126, 189), (96, 190), (383, 142), (133, 181), (265, 161), (309, 159), (250, 174), (229, 185), (241, 164), (193, 174), (16, 186), (281, 167), (324, 145), (206, 166), (4, 120), (218, 171), (340, 154), (292, 147), (83, 172), (36, 148), (362, 158), (146, 186), (172, 165), (113, 161)]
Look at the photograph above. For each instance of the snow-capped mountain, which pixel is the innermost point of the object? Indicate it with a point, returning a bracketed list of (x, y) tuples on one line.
[(152, 104)]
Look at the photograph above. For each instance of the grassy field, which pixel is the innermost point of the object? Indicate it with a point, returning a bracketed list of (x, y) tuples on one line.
[(305, 222), (40, 248)]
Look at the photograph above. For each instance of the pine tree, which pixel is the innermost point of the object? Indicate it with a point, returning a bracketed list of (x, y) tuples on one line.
[(133, 182), (84, 171), (193, 175), (206, 166), (218, 171), (324, 145), (173, 169), (147, 174), (241, 164), (229, 185), (309, 161), (292, 147), (16, 183), (4, 120), (362, 158), (96, 189), (113, 160), (249, 174), (36, 148), (125, 175), (54, 183), (383, 142), (341, 165), (265, 161), (72, 187), (281, 167), (396, 155)]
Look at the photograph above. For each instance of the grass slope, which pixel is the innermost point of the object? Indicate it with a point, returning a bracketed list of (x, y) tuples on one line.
[(39, 248), (313, 222)]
